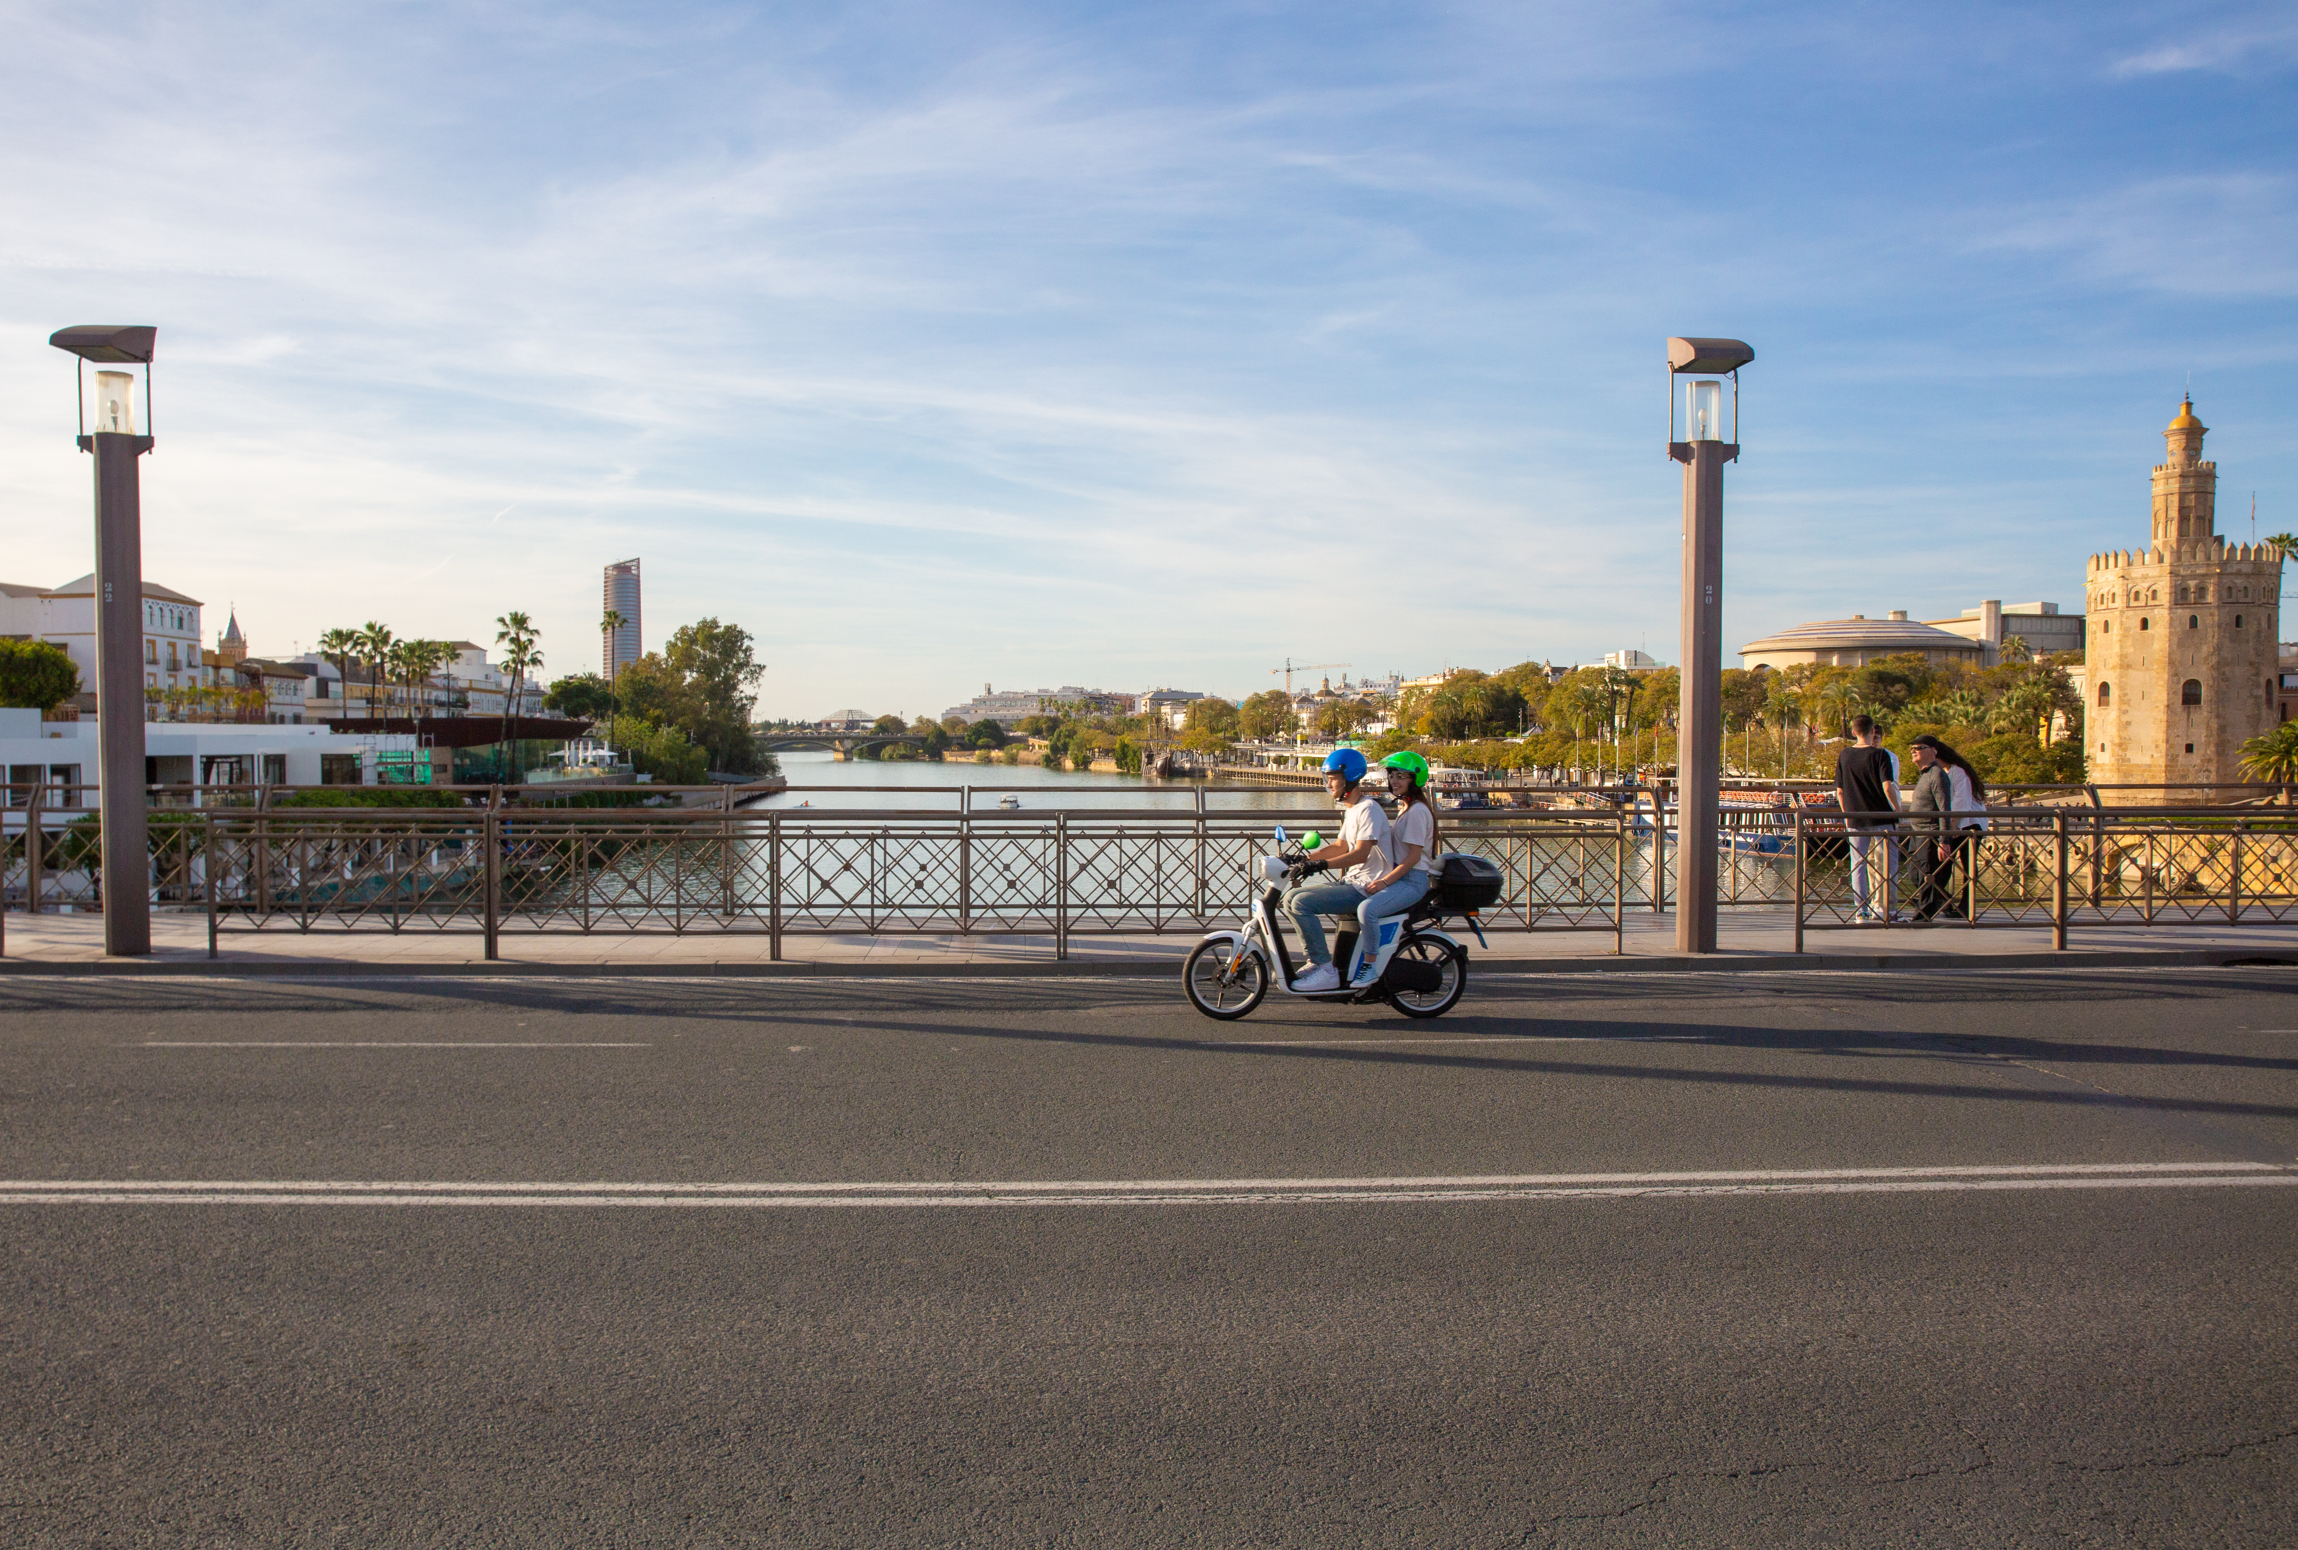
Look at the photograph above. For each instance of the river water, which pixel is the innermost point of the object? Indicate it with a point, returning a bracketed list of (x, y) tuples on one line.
[(910, 785)]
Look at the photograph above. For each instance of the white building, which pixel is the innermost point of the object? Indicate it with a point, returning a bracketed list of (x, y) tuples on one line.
[(66, 616), (1633, 661), (63, 753)]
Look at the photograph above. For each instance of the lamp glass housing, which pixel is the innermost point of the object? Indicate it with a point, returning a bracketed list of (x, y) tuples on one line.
[(116, 402), (1703, 410)]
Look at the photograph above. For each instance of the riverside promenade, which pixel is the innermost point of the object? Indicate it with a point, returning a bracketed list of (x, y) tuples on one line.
[(1750, 939)]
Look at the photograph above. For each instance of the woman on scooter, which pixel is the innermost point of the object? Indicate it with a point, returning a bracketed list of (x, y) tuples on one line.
[(1364, 848)]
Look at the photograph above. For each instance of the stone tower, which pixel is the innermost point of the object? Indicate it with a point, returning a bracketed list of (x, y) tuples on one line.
[(2180, 666)]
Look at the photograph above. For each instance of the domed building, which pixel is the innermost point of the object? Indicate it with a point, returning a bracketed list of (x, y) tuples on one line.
[(1859, 640)]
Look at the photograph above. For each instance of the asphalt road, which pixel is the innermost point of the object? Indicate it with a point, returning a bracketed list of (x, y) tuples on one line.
[(1984, 1259)]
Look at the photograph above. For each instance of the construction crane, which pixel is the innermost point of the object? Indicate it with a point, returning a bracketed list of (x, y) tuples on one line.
[(1291, 667)]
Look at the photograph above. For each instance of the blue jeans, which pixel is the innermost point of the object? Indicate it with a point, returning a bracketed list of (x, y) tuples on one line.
[(1304, 904), (1874, 858)]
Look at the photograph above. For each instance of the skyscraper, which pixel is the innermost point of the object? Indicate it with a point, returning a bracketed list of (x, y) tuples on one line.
[(620, 646)]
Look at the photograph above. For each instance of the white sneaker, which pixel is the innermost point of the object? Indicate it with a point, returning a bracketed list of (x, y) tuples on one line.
[(1364, 976), (1323, 977)]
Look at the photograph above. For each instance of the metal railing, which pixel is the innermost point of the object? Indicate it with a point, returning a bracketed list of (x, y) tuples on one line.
[(519, 862), (511, 861), (2061, 867)]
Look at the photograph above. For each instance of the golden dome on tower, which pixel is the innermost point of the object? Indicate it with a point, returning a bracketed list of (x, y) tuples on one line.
[(2186, 420)]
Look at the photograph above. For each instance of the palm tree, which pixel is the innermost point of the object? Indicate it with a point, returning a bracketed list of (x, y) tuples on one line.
[(1782, 710), (607, 625), (398, 668), (436, 654), (339, 647), (375, 640), (2274, 756), (1839, 701), (516, 634), (2286, 542)]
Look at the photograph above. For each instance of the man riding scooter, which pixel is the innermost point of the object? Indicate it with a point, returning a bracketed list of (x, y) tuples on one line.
[(1374, 885)]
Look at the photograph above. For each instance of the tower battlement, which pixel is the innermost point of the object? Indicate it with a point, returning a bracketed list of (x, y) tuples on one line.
[(2181, 663)]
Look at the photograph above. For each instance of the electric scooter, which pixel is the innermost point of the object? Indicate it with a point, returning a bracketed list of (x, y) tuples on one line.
[(1418, 969)]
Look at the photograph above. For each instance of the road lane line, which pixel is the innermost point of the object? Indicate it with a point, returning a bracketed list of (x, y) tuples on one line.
[(1754, 1182), (1474, 1038), (377, 1044)]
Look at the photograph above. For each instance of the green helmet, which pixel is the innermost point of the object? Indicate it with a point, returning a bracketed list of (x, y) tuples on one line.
[(1410, 762)]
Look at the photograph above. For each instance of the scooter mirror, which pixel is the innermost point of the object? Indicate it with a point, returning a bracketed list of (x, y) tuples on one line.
[(1280, 834)]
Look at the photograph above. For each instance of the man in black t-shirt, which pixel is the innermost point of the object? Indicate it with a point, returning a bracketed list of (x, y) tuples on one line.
[(1867, 788)]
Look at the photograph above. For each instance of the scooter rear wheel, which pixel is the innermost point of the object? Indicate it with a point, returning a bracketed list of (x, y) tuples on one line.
[(1216, 991), (1452, 969)]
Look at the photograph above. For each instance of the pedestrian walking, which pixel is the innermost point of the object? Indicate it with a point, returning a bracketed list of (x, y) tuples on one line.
[(1928, 806), (1867, 789)]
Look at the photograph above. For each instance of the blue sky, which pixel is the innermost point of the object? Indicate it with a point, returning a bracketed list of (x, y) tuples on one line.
[(953, 343)]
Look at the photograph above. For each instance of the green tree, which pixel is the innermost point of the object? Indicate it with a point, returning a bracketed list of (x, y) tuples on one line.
[(659, 751), (1265, 715), (1743, 697), (1215, 718), (582, 697), (36, 675), (1337, 719), (936, 737), (719, 674), (985, 733), (1528, 681)]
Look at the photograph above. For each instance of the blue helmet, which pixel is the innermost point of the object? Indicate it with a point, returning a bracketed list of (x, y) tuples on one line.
[(1348, 761)]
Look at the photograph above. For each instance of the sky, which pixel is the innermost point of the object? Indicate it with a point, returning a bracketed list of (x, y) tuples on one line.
[(955, 343)]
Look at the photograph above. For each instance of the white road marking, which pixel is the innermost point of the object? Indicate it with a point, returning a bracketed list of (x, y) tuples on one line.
[(377, 1044), (1112, 1192), (1479, 1038)]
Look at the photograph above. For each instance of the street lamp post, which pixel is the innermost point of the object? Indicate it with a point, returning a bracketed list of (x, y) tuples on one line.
[(1699, 747), (126, 842)]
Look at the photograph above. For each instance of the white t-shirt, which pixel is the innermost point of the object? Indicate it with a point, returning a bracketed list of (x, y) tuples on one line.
[(1365, 821), (1962, 800), (1415, 825)]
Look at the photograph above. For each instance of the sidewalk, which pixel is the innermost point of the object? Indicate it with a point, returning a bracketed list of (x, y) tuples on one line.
[(1749, 939)]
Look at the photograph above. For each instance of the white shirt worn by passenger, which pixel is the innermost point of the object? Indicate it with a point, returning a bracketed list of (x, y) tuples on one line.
[(1365, 821), (1416, 825)]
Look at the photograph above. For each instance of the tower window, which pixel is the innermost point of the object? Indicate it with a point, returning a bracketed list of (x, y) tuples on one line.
[(2194, 621), (2106, 626), (2144, 624), (2238, 621), (2190, 692), (2106, 694), (2190, 748)]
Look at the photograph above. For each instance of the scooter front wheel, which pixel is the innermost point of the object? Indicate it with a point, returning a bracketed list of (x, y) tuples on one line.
[(1225, 980)]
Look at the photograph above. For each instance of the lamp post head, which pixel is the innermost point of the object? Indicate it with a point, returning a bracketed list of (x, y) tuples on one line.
[(1704, 360), (110, 344), (1707, 357)]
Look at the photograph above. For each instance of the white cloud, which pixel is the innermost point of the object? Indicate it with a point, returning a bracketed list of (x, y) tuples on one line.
[(2232, 234), (2240, 50)]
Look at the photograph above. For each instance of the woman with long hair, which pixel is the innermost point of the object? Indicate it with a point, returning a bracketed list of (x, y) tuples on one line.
[(1404, 880), (1958, 841)]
